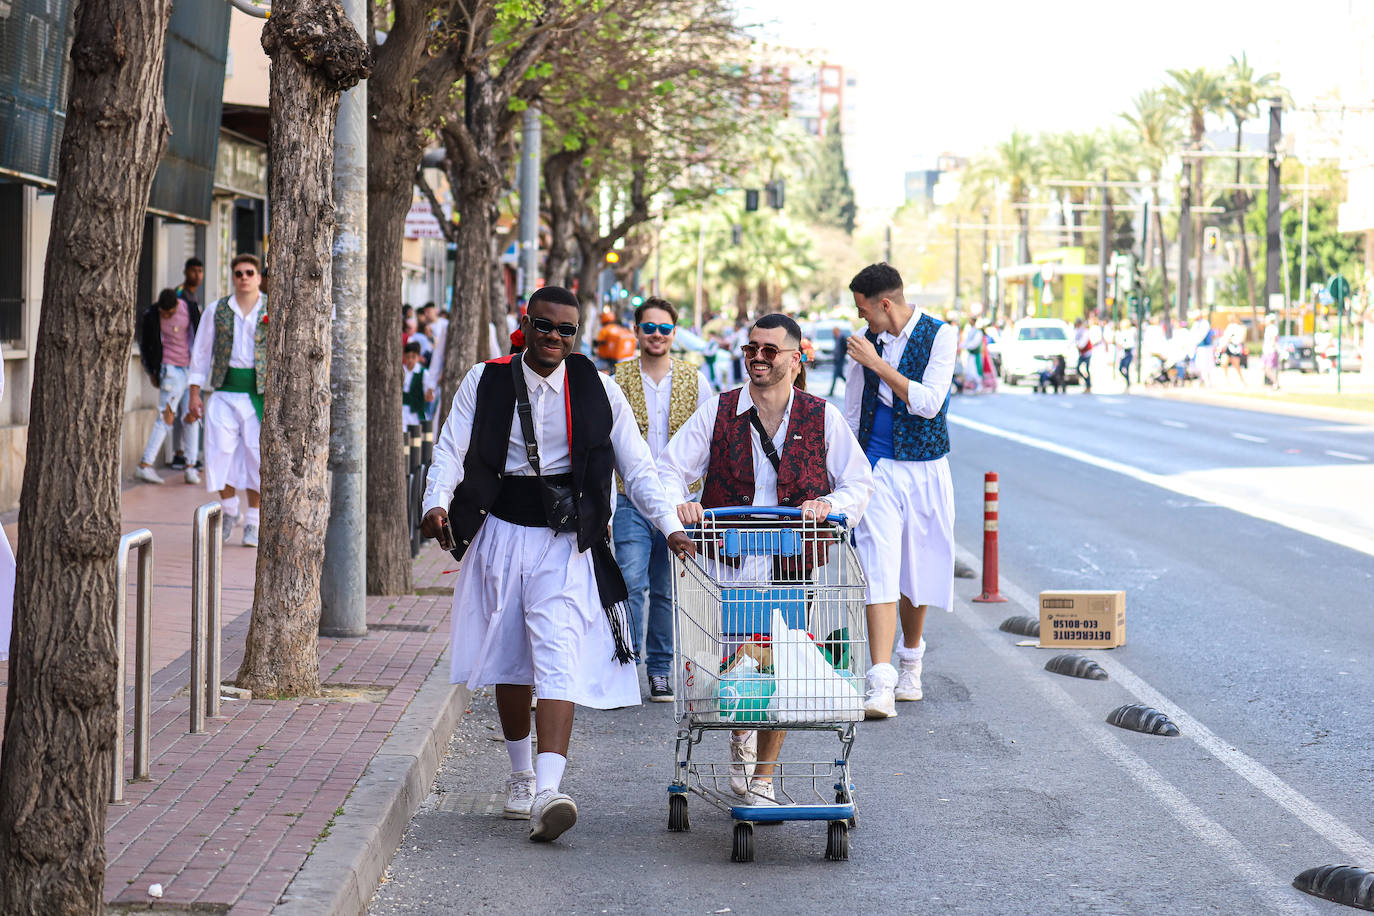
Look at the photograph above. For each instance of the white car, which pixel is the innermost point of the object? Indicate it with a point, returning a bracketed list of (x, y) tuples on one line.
[(1031, 346)]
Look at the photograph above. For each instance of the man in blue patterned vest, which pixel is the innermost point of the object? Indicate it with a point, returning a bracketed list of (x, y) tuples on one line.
[(896, 397)]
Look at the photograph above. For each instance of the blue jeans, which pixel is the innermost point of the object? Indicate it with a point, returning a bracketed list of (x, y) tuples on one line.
[(642, 552)]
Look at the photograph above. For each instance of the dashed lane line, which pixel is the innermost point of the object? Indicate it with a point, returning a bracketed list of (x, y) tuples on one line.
[(1174, 423), (1349, 456), (1326, 825), (1253, 508), (1246, 437)]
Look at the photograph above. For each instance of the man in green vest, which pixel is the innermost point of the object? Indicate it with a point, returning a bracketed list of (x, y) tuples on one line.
[(230, 356), (663, 392)]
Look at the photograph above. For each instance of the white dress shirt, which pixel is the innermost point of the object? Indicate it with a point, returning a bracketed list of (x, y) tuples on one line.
[(923, 398), (689, 452), (240, 357), (632, 458), (658, 398)]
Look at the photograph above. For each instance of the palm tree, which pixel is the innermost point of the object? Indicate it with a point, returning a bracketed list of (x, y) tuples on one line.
[(1076, 156), (1243, 92), (1195, 94), (1017, 164), (1157, 135)]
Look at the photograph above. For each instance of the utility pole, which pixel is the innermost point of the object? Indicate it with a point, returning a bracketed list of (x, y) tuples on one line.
[(1103, 243), (987, 306), (956, 269), (343, 578), (1185, 239), (1272, 239), (530, 158), (1302, 270), (887, 243)]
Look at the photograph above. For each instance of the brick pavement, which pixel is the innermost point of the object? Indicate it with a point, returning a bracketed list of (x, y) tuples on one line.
[(229, 816)]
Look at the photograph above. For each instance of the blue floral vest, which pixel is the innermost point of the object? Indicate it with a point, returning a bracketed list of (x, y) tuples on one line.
[(914, 438)]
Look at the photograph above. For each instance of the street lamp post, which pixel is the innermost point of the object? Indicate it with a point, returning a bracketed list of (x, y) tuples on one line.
[(987, 306)]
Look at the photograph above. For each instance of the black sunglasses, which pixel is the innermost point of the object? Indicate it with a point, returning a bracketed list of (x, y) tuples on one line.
[(648, 327), (545, 326), (244, 273)]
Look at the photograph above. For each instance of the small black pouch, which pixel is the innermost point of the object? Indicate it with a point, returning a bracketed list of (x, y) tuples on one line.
[(560, 509)]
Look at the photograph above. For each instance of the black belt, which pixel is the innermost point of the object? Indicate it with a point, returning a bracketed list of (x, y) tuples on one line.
[(519, 501)]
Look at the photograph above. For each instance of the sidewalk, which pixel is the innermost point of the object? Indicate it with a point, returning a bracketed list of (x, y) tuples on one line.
[(230, 816)]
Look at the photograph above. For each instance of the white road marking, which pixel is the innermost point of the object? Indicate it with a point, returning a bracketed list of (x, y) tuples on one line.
[(1246, 437), (1175, 424), (1115, 413), (1322, 822), (1347, 455), (1253, 508), (1269, 886)]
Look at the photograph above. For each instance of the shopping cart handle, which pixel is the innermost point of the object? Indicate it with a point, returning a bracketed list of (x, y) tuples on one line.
[(774, 511)]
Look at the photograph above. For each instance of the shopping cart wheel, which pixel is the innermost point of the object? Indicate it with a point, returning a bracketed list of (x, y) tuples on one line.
[(837, 842), (677, 813), (743, 850), (844, 798)]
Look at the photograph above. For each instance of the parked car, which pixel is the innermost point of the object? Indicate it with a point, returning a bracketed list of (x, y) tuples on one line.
[(1296, 352), (822, 334), (1351, 360), (1032, 344)]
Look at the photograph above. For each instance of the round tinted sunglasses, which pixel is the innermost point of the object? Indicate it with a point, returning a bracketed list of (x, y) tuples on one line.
[(545, 326), (648, 327), (767, 351)]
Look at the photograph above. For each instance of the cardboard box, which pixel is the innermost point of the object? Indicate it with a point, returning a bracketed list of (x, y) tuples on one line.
[(1082, 619)]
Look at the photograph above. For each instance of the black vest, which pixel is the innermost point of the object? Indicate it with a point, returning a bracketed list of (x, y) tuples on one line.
[(593, 455)]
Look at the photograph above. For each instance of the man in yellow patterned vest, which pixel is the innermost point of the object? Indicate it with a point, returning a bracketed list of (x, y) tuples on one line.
[(230, 356), (663, 392)]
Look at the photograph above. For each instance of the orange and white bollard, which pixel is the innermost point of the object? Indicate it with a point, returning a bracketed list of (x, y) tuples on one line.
[(990, 593)]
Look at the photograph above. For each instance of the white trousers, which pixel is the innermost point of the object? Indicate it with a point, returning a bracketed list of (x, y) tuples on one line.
[(905, 540), (232, 431), (526, 611), (6, 594)]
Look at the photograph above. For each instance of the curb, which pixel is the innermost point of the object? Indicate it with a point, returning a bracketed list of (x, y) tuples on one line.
[(343, 870), (1259, 405)]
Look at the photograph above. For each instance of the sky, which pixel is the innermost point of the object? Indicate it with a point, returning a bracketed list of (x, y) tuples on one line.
[(958, 75)]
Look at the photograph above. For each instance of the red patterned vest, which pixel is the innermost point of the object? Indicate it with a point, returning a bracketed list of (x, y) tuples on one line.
[(801, 471)]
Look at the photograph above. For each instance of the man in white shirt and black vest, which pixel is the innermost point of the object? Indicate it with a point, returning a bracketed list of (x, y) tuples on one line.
[(810, 461), (521, 482), (896, 398), (663, 393)]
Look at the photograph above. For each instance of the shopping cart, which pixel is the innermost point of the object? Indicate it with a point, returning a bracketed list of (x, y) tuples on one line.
[(769, 632)]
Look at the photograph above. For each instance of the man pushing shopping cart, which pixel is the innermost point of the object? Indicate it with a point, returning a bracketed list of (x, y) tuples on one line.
[(760, 447)]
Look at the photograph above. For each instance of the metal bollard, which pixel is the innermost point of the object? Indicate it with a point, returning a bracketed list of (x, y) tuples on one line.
[(143, 673), (990, 593), (427, 443), (207, 554)]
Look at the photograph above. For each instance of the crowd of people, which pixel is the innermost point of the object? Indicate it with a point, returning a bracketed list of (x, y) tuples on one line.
[(565, 581)]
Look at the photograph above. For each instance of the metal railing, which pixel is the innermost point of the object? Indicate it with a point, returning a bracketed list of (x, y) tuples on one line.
[(206, 552), (142, 539)]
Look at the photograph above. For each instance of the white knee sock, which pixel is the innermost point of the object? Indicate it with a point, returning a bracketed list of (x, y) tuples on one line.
[(251, 515), (520, 754), (548, 771), (912, 655), (231, 506)]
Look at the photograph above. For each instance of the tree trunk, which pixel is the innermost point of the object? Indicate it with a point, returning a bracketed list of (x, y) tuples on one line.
[(1163, 246), (587, 276), (394, 146), (316, 54), (1199, 201), (60, 710), (562, 185)]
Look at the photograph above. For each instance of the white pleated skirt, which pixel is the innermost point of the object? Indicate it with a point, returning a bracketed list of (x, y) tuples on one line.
[(905, 540)]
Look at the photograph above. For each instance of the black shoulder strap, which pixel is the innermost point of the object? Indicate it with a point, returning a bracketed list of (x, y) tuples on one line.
[(522, 406), (765, 440)]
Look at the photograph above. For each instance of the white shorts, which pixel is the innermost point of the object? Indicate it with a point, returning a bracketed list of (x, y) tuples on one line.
[(526, 611), (232, 433), (905, 540)]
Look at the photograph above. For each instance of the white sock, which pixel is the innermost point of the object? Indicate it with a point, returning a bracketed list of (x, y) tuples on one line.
[(520, 754), (231, 506), (251, 515), (912, 655), (548, 771)]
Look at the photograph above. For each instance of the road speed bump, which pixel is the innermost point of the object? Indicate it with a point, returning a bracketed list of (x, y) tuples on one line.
[(1348, 885), (1076, 666), (1147, 719), (1022, 626)]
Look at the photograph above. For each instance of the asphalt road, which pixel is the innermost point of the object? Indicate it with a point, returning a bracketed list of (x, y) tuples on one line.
[(1004, 791)]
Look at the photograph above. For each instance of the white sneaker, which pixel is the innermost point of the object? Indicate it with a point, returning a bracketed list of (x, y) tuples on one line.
[(551, 815), (519, 796), (228, 521), (744, 752), (879, 701), (192, 476), (250, 535), (760, 792), (147, 474), (909, 681)]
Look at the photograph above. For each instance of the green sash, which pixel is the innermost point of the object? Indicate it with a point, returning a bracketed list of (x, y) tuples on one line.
[(243, 381)]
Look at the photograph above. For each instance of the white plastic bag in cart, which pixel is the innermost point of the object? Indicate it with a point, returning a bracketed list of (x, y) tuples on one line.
[(808, 688)]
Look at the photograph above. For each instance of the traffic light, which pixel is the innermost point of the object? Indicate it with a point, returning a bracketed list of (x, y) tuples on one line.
[(1211, 238), (775, 196), (612, 257), (751, 201)]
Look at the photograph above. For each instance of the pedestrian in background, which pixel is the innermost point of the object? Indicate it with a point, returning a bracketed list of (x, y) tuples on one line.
[(167, 331), (663, 393), (1233, 340), (192, 277), (1082, 340), (1125, 337), (841, 355), (1269, 352), (417, 387)]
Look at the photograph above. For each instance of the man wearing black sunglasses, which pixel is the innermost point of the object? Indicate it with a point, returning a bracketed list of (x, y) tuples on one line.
[(663, 392), (522, 470)]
